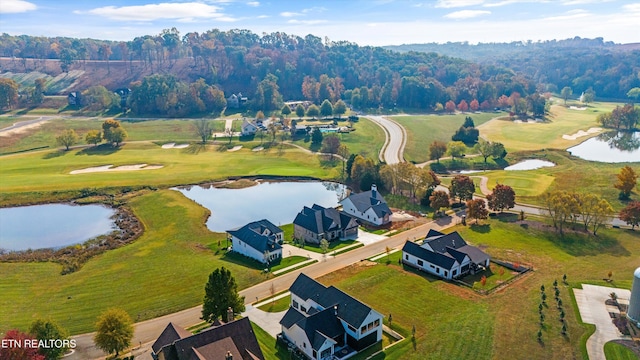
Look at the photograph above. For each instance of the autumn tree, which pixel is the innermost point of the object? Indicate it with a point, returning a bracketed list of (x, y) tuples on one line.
[(330, 144), (502, 197), (566, 93), (631, 214), (463, 106), (109, 132), (436, 150), (114, 331), (49, 330), (9, 352), (593, 210), (484, 148), (98, 98), (221, 293), (456, 149), (67, 139), (450, 106), (37, 95), (363, 172), (439, 199), (474, 105), (203, 129), (560, 206), (476, 209), (462, 187), (627, 180), (93, 137), (8, 93), (118, 135)]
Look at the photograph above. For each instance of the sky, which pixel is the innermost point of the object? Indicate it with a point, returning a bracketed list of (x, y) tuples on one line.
[(365, 22)]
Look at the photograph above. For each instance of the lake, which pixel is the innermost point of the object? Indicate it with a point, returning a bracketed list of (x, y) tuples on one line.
[(52, 225), (278, 202), (610, 147), (530, 164)]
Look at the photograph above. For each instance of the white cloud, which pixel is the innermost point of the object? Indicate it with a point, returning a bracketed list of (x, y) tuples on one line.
[(466, 14), (253, 3), (16, 6), (263, 16), (457, 3), (632, 7), (306, 22), (151, 12), (573, 14), (582, 2), (289, 14)]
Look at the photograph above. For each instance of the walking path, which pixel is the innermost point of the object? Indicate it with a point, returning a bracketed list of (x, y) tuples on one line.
[(395, 139), (591, 303)]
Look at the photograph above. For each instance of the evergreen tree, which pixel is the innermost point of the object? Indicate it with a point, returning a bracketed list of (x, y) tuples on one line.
[(221, 293)]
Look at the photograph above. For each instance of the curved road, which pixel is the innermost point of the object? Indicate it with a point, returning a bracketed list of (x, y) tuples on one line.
[(396, 139)]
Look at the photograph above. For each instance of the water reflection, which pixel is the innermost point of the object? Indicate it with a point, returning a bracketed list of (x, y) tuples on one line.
[(610, 147)]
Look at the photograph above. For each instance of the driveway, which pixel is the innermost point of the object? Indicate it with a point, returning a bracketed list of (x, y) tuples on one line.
[(591, 302), (396, 138), (268, 321)]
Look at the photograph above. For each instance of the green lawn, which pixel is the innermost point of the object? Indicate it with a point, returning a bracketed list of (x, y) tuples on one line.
[(333, 246), (422, 130), (254, 264), (502, 325), (533, 136), (162, 272), (268, 345), (614, 351), (278, 305), (49, 171)]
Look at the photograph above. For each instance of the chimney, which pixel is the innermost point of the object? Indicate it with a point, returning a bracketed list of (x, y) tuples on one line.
[(374, 188), (229, 315), (335, 310), (229, 356)]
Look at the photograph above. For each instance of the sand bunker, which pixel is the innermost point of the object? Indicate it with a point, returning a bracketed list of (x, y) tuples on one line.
[(582, 133), (259, 148), (235, 148), (524, 122), (174, 146), (21, 128), (577, 108), (106, 168)]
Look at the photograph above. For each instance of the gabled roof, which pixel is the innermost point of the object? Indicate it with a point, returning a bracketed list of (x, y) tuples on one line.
[(439, 243), (170, 334), (349, 309), (319, 327), (441, 260), (476, 255), (370, 199), (236, 337), (260, 235), (246, 123), (318, 219)]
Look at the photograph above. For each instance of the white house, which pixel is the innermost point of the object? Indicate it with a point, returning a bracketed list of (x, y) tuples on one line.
[(368, 206), (325, 322), (259, 240), (248, 128), (446, 256)]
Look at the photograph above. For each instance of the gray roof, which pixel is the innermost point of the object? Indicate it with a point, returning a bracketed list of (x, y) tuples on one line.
[(370, 199), (170, 334), (441, 260), (318, 219), (318, 327), (260, 235), (453, 244)]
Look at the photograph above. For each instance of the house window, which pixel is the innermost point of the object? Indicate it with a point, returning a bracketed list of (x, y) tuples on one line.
[(294, 304), (376, 323), (437, 270), (454, 273), (352, 328), (303, 309), (315, 354), (433, 267), (363, 329), (406, 257), (446, 273), (304, 345), (420, 262)]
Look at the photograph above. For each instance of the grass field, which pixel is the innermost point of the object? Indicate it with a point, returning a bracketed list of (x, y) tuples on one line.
[(613, 351), (281, 304), (533, 136), (162, 272), (422, 130), (502, 325)]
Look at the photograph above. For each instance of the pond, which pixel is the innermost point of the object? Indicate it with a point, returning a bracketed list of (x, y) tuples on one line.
[(278, 202), (610, 147), (52, 225), (530, 164)]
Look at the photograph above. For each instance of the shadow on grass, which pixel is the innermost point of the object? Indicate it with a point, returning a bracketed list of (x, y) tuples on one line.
[(54, 154), (194, 149), (423, 274), (582, 244), (102, 149), (246, 261), (482, 229)]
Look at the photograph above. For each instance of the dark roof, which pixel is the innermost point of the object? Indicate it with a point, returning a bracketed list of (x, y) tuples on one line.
[(441, 242), (170, 334), (213, 343), (350, 310), (443, 261), (433, 233), (370, 199), (260, 235), (476, 255), (291, 317), (318, 219), (318, 327)]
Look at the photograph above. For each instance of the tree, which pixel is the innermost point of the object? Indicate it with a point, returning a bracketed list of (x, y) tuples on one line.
[(592, 210), (485, 148), (439, 199), (339, 108), (93, 137), (10, 352), (463, 106), (313, 111), (498, 151), (37, 96), (8, 93), (634, 93), (566, 93), (118, 135), (362, 168), (108, 128), (502, 197), (324, 246), (114, 331), (436, 150), (67, 139), (286, 110), (462, 187), (476, 209), (98, 98), (49, 330), (316, 136), (300, 111), (220, 294), (588, 96), (474, 105), (330, 144), (456, 149), (343, 151), (326, 109), (631, 214), (450, 106), (627, 179), (105, 53), (560, 206), (203, 129)]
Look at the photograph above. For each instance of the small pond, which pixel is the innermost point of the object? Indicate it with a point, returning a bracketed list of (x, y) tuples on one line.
[(52, 225), (530, 164), (277, 202), (610, 147)]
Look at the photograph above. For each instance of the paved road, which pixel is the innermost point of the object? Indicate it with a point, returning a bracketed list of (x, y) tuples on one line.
[(147, 332), (396, 138), (23, 123)]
